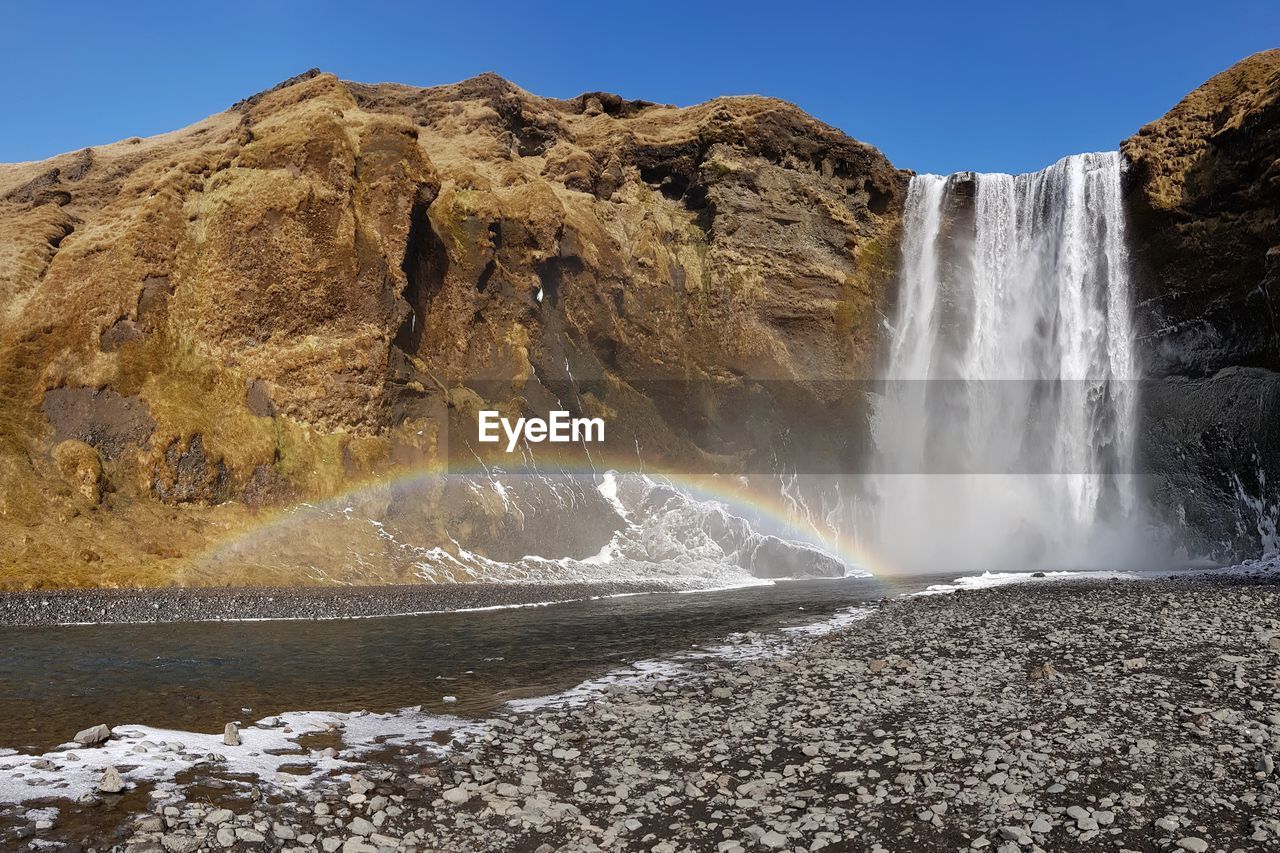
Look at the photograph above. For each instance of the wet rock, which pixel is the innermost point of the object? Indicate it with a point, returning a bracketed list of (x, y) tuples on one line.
[(1204, 231)]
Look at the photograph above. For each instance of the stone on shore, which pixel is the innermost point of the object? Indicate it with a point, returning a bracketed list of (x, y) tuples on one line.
[(176, 842), (93, 735), (948, 746), (111, 781)]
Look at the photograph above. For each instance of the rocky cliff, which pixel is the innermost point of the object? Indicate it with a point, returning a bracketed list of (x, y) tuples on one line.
[(318, 289), (1204, 219), (319, 286)]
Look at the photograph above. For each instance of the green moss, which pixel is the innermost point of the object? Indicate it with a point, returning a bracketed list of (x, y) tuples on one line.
[(701, 247), (874, 263), (450, 215), (717, 170)]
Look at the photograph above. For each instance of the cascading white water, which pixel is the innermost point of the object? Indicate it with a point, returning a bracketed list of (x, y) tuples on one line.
[(1005, 433)]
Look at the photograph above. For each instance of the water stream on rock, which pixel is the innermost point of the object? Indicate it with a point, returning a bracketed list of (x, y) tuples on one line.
[(1005, 433)]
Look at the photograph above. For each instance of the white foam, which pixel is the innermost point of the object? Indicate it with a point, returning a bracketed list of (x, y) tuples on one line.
[(841, 619), (1266, 564), (741, 646), (986, 580)]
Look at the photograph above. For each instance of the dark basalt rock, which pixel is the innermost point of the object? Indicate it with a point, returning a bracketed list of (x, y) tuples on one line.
[(1208, 447), (1203, 202), (189, 475), (99, 417)]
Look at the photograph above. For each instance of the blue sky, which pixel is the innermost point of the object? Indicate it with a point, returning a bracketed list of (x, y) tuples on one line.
[(938, 86)]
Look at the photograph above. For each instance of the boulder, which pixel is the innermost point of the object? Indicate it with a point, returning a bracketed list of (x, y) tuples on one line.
[(93, 735), (111, 781)]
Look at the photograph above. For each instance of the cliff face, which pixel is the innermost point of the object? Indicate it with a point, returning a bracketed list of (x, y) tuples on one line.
[(315, 287), (1204, 216), (320, 287)]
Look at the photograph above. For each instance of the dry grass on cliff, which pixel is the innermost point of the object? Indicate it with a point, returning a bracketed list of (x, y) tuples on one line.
[(1172, 147)]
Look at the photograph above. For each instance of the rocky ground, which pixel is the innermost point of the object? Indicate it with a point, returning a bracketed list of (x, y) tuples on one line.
[(118, 606), (1119, 715)]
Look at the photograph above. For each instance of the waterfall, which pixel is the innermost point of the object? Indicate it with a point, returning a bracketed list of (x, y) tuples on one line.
[(1005, 432)]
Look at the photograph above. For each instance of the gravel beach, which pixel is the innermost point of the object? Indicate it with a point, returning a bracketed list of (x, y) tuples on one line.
[(121, 606), (1117, 715)]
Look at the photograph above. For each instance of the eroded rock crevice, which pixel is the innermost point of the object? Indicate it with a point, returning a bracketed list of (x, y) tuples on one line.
[(188, 474), (425, 267)]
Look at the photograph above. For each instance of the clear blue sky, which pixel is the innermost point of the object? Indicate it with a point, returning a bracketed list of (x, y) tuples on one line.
[(938, 86)]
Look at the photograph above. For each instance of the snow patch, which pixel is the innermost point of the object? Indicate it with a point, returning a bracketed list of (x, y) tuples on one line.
[(144, 754)]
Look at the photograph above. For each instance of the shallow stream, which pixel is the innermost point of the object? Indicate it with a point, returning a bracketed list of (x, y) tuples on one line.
[(55, 681)]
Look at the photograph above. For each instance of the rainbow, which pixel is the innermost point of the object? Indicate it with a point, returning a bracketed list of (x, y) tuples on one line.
[(730, 491)]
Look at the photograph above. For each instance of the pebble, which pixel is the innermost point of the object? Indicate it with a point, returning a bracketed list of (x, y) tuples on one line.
[(947, 744)]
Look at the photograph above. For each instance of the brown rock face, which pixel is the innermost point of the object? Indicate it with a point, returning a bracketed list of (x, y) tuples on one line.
[(1204, 215), (323, 283)]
